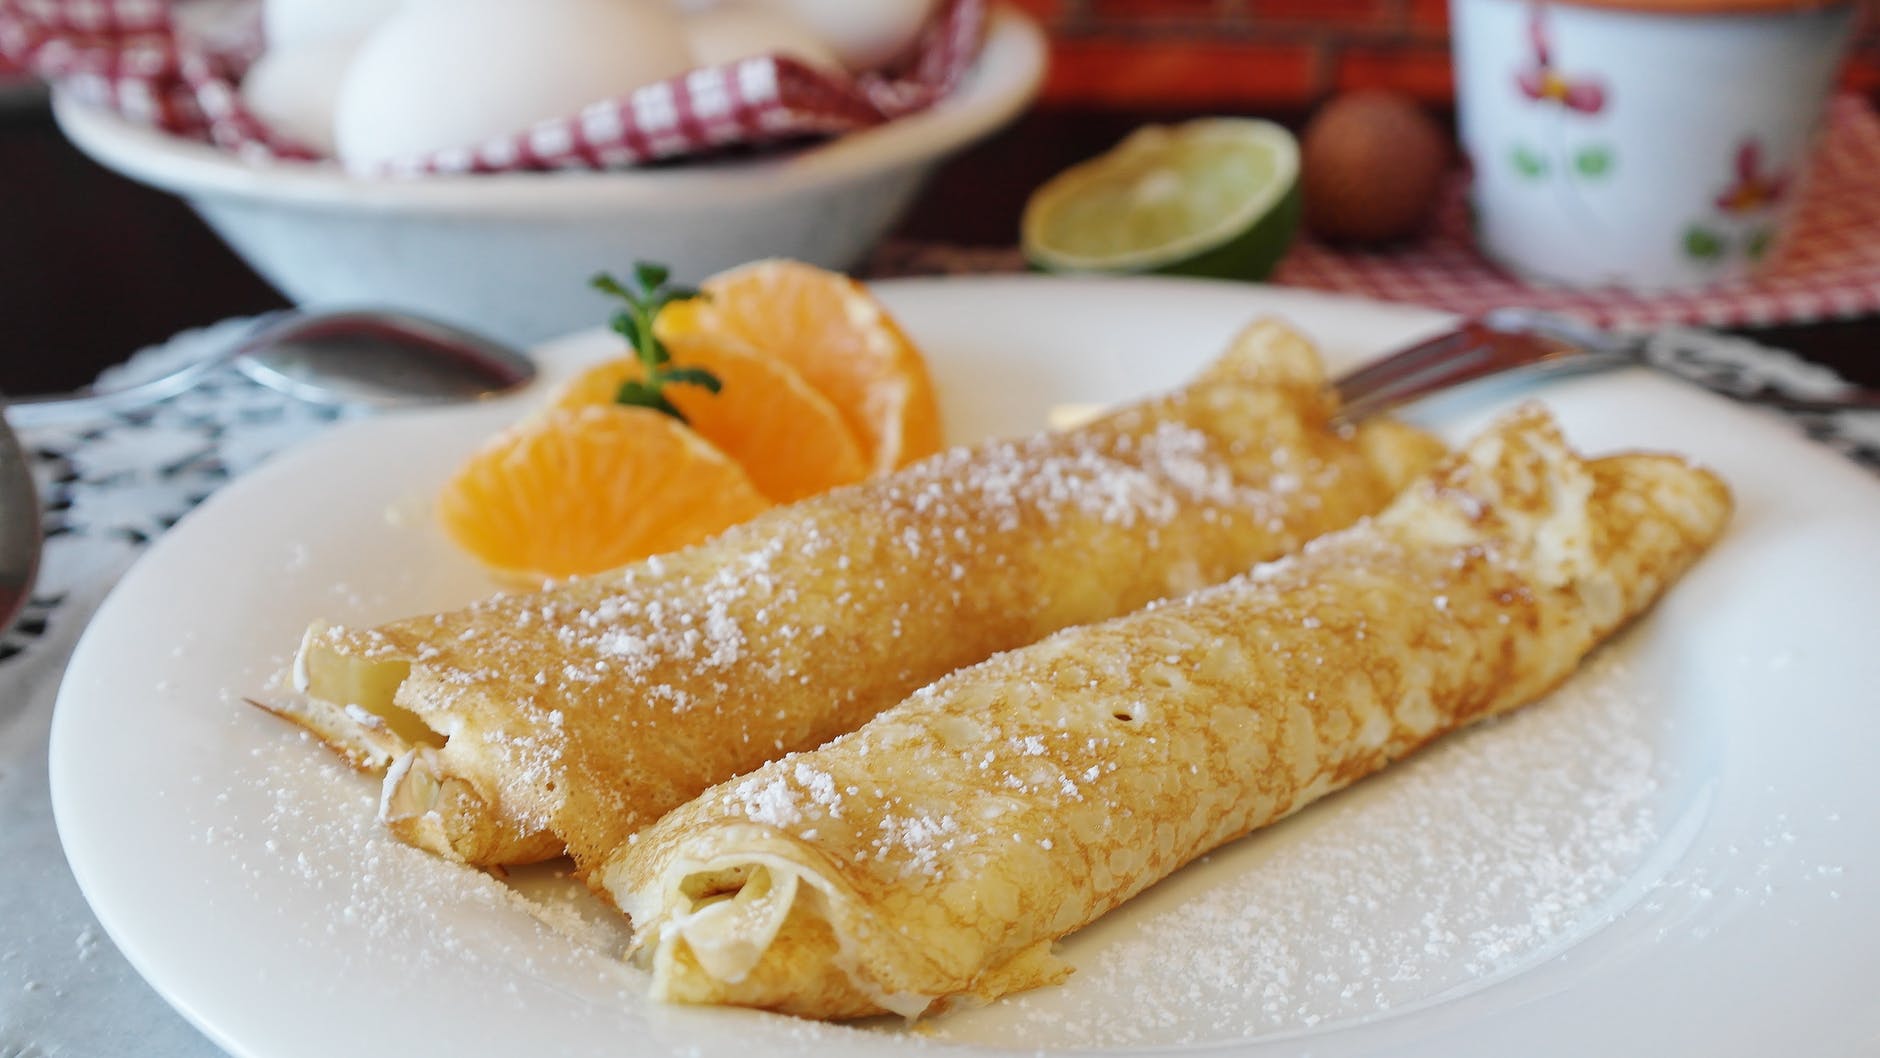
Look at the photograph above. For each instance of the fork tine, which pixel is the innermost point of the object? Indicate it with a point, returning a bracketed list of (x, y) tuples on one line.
[(1476, 349), (1475, 362), (1467, 352), (1413, 360)]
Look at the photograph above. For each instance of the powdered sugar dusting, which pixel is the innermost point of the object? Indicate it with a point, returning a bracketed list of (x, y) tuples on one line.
[(1123, 480), (919, 840), (784, 798), (527, 946), (528, 686), (769, 802), (359, 892), (1491, 850)]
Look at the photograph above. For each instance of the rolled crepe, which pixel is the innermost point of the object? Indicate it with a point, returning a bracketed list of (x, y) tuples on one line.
[(938, 852), (573, 717)]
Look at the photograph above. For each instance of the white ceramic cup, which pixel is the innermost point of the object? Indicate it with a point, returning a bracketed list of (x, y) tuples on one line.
[(1643, 145)]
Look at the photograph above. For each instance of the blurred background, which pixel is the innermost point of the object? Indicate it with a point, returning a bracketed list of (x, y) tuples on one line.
[(1274, 54), (76, 232)]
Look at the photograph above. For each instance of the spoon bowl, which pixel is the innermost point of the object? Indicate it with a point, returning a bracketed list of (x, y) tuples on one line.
[(380, 359), (377, 358)]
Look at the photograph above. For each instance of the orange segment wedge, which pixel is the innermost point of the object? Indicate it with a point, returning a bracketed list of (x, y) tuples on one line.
[(789, 438), (583, 490), (837, 336)]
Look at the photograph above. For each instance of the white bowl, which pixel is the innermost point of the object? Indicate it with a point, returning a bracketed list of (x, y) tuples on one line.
[(511, 254)]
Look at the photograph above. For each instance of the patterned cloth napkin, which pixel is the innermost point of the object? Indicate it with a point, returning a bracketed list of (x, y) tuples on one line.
[(142, 59)]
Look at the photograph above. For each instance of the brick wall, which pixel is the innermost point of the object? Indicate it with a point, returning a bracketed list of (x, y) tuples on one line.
[(1273, 53)]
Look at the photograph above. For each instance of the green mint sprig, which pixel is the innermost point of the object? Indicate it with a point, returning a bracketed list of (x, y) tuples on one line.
[(649, 294)]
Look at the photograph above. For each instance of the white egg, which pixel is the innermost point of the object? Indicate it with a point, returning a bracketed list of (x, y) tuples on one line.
[(450, 73), (734, 31), (863, 33), (291, 23), (294, 89)]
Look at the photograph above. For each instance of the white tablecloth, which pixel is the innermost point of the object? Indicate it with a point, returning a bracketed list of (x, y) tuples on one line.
[(108, 488), (112, 486)]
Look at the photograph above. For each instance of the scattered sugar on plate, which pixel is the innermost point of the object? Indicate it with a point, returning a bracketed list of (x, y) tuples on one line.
[(1489, 852), (361, 892), (401, 917)]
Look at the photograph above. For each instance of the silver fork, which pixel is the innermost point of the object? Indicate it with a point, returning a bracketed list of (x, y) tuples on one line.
[(1505, 340)]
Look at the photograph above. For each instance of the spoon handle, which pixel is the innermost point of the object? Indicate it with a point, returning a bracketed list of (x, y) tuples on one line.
[(20, 540), (31, 412), (66, 409)]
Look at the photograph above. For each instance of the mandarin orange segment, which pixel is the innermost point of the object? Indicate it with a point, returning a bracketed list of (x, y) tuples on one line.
[(789, 438), (842, 341), (583, 490)]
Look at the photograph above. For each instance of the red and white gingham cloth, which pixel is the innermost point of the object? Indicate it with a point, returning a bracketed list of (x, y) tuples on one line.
[(1829, 268), (135, 58)]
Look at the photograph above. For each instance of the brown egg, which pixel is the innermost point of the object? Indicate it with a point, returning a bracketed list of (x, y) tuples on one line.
[(1372, 164)]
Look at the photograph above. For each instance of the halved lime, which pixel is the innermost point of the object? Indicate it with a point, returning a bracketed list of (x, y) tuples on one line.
[(1214, 197)]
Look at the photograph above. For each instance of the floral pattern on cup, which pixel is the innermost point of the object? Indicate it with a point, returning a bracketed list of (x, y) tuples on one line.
[(1543, 83), (1753, 188), (1752, 194)]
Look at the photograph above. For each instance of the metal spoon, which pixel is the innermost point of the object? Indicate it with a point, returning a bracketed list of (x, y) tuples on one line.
[(375, 357), (20, 541)]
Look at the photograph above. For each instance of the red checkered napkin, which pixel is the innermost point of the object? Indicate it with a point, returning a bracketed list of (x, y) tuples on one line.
[(1829, 268), (139, 58)]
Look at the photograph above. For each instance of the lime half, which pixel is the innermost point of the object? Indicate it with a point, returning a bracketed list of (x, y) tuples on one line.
[(1215, 197)]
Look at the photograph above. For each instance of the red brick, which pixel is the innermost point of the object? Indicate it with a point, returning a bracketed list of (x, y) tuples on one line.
[(1862, 73), (1049, 12), (1429, 16), (1199, 74), (1046, 12), (1420, 70), (1206, 12), (1372, 16)]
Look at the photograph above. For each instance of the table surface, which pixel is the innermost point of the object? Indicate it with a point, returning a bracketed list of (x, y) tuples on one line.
[(95, 266)]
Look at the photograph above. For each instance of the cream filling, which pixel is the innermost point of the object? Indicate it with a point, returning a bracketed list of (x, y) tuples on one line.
[(729, 912), (368, 684)]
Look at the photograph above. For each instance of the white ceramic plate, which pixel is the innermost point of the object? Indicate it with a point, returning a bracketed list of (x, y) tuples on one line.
[(1676, 854)]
